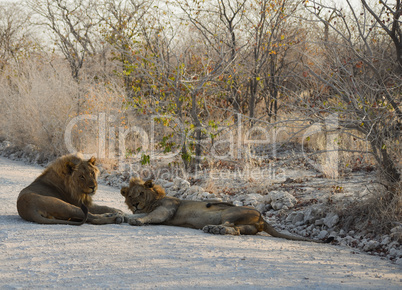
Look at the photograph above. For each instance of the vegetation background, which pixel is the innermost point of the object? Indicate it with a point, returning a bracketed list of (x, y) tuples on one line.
[(210, 84)]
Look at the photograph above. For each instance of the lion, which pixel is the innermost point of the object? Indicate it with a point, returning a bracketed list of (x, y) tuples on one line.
[(211, 216), (62, 194)]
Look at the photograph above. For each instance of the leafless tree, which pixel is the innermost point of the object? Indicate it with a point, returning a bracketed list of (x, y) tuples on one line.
[(219, 22), (362, 87), (273, 35), (388, 17), (15, 33), (72, 23)]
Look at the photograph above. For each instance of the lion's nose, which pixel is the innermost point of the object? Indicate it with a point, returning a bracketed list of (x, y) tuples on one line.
[(93, 188)]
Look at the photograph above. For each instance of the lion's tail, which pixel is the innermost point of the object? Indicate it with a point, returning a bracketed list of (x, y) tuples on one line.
[(85, 211), (270, 230)]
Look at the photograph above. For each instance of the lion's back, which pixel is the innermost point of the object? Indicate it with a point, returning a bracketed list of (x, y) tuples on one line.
[(43, 187), (195, 214)]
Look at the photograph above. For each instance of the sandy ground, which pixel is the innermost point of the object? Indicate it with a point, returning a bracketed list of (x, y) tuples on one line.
[(126, 257)]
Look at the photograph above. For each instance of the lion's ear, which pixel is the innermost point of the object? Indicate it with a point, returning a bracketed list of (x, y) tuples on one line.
[(134, 181), (159, 191), (92, 160), (71, 167), (124, 191), (149, 184), (72, 163)]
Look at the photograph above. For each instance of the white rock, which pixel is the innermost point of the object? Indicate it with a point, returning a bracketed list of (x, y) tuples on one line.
[(180, 185), (333, 234), (290, 217), (395, 253), (279, 199), (237, 203), (319, 222), (385, 240), (362, 243), (177, 180), (310, 228), (205, 194), (277, 205), (161, 182), (170, 192), (299, 218), (254, 199), (396, 234), (323, 234), (312, 214), (168, 184), (5, 144), (331, 220), (195, 189), (370, 245), (261, 207)]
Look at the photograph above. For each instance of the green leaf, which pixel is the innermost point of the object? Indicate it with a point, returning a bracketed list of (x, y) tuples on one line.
[(145, 159)]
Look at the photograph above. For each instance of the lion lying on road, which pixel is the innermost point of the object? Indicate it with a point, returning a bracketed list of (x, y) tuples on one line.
[(62, 194), (212, 217)]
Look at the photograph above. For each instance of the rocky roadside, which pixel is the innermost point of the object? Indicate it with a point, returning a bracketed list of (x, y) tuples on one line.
[(284, 211), (299, 212)]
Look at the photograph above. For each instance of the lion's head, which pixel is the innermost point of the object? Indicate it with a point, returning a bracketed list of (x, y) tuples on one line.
[(140, 196), (75, 176)]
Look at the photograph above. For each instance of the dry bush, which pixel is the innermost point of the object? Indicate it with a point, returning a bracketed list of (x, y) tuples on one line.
[(337, 152), (378, 213), (39, 98), (35, 104)]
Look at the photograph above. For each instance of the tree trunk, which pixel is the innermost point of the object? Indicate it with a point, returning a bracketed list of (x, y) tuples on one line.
[(387, 165), (197, 124), (253, 92)]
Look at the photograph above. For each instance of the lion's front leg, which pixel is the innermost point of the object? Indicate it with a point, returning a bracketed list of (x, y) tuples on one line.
[(100, 209), (105, 218), (158, 216), (100, 215)]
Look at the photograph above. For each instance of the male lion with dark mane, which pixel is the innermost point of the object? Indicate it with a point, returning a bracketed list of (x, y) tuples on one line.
[(211, 216), (62, 194)]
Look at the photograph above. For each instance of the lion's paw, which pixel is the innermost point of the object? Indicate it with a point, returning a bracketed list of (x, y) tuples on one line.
[(116, 217), (220, 230), (119, 218), (135, 222), (126, 218)]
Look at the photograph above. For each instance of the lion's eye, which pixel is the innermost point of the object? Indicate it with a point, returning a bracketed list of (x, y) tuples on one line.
[(82, 177), (141, 193)]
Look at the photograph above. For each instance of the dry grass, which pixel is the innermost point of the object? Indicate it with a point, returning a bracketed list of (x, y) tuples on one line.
[(378, 213), (35, 101), (39, 99)]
